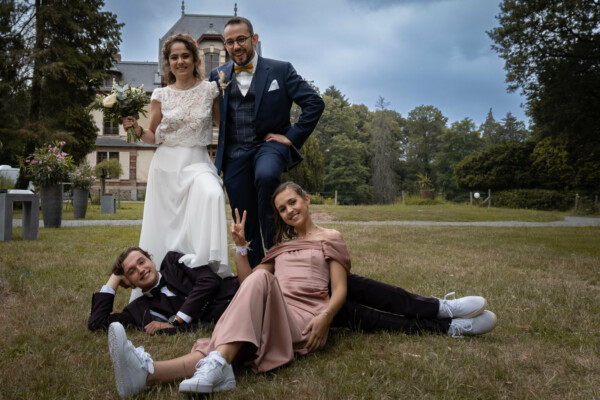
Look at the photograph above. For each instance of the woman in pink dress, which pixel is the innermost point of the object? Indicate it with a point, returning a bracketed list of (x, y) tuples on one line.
[(282, 308)]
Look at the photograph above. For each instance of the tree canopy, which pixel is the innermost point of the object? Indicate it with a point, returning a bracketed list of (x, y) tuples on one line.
[(552, 52), (58, 52)]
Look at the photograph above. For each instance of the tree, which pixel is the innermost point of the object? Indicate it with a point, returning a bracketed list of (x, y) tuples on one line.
[(68, 47), (347, 171), (536, 37), (107, 169), (513, 130), (78, 43), (333, 92), (498, 167), (363, 117), (335, 120), (310, 173), (385, 154), (490, 130), (552, 52), (457, 142), (424, 126), (13, 80), (556, 166)]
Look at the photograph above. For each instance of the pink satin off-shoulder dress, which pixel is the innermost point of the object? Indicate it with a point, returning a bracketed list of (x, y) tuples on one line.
[(270, 311)]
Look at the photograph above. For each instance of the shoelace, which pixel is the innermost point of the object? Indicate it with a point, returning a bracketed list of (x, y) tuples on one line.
[(444, 305), (460, 326), (145, 359), (205, 365)]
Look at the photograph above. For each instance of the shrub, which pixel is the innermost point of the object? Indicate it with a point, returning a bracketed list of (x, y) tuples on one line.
[(317, 199), (83, 176), (48, 165), (538, 199), (6, 183), (499, 167), (419, 201)]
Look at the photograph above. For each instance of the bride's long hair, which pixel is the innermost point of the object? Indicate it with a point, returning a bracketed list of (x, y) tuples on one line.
[(283, 231)]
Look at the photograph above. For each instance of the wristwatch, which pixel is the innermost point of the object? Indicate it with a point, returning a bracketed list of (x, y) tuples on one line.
[(174, 321)]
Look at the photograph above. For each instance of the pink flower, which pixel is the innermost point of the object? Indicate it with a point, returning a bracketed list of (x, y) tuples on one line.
[(62, 143)]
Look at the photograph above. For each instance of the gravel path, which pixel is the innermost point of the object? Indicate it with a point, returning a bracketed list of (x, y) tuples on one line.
[(568, 221)]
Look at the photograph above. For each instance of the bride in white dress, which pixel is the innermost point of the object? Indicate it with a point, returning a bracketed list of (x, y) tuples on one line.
[(184, 208)]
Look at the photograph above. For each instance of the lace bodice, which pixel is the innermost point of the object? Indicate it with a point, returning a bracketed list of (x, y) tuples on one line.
[(186, 115)]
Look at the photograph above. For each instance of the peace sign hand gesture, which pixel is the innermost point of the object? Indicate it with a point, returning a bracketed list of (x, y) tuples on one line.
[(237, 229)]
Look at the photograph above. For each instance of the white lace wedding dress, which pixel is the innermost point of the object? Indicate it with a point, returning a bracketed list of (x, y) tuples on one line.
[(184, 208)]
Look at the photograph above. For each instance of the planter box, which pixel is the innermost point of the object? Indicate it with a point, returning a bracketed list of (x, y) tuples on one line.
[(108, 204), (80, 202)]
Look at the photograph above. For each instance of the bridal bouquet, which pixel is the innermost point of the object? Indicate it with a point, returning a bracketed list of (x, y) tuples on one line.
[(123, 101)]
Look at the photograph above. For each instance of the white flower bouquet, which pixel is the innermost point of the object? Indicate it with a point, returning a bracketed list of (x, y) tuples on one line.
[(123, 101)]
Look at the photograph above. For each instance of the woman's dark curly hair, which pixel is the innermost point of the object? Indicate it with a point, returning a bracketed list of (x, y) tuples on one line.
[(283, 231), (191, 45)]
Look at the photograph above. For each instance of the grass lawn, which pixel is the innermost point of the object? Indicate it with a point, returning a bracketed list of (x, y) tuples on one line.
[(447, 212), (543, 283)]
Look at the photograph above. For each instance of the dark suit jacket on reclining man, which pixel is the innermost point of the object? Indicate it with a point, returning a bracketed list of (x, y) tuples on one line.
[(179, 298)]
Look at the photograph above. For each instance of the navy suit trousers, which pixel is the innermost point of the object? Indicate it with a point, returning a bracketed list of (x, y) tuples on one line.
[(250, 181)]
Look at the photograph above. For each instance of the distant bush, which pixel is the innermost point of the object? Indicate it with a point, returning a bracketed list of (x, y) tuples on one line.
[(6, 183), (419, 201), (318, 199), (537, 199)]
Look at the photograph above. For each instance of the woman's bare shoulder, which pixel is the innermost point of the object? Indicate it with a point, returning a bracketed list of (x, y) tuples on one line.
[(331, 234)]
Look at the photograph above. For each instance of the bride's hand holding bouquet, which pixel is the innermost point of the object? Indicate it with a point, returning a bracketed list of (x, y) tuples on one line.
[(123, 101)]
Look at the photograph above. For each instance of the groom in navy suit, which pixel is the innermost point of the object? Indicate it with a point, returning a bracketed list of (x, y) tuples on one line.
[(256, 139)]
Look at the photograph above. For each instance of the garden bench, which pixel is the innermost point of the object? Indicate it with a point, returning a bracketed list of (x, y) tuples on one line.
[(31, 213)]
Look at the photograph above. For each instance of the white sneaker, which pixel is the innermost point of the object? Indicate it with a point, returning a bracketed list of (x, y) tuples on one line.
[(483, 323), (131, 365), (213, 374), (464, 307)]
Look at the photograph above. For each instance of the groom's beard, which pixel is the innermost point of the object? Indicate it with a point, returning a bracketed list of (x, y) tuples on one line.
[(249, 56)]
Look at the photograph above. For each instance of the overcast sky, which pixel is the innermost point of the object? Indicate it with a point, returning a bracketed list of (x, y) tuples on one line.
[(411, 52)]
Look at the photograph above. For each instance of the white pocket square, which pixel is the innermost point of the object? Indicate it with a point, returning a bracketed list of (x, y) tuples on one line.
[(274, 86)]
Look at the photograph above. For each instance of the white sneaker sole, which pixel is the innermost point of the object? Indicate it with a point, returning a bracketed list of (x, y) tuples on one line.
[(116, 342), (191, 386)]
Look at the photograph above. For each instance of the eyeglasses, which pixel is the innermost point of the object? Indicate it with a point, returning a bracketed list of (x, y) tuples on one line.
[(240, 41)]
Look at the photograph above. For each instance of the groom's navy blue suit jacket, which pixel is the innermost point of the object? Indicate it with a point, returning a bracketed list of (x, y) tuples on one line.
[(273, 102)]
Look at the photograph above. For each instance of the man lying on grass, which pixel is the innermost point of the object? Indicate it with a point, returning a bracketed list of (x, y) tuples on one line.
[(178, 298)]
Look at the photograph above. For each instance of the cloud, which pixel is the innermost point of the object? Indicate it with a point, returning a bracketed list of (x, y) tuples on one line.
[(433, 52)]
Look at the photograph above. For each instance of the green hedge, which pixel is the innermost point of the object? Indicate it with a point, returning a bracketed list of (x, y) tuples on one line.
[(538, 199)]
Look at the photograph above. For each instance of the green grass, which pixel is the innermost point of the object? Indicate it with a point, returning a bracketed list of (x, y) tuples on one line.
[(447, 212), (543, 283), (125, 210)]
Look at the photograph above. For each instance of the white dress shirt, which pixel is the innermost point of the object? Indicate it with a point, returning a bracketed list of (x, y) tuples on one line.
[(244, 78)]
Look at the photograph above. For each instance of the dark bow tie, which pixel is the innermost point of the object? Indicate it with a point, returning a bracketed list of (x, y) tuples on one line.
[(155, 291), (239, 68)]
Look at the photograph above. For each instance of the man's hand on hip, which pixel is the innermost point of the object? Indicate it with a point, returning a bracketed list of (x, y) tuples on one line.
[(275, 137)]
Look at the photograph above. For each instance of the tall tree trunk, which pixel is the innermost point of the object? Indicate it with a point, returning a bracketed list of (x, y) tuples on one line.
[(36, 81)]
